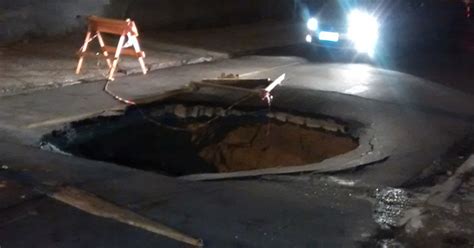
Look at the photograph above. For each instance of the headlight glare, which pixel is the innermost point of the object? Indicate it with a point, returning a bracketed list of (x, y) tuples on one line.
[(312, 24), (363, 31)]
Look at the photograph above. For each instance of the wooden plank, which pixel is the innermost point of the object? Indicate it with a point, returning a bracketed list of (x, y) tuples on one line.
[(111, 26), (125, 51), (91, 204), (94, 205)]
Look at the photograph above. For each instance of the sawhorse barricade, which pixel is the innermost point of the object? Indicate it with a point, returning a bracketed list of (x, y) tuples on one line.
[(125, 29)]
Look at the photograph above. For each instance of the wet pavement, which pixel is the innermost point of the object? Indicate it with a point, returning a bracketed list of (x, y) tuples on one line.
[(451, 67)]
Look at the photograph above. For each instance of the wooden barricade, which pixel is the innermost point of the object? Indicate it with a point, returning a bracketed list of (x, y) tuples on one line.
[(125, 29)]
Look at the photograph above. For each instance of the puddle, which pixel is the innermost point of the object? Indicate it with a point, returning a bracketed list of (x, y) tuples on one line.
[(177, 139), (390, 206)]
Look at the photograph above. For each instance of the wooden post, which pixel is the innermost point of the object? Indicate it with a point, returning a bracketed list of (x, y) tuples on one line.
[(136, 46), (116, 57), (83, 50), (104, 52)]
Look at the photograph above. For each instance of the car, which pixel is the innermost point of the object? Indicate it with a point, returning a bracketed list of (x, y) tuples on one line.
[(372, 27), (354, 26)]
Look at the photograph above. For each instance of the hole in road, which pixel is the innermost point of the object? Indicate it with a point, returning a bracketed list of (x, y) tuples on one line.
[(178, 139)]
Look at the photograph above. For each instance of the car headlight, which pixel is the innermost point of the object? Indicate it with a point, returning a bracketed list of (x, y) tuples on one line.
[(363, 31), (312, 24)]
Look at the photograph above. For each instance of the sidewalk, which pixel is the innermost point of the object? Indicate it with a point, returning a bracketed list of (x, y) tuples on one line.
[(50, 63)]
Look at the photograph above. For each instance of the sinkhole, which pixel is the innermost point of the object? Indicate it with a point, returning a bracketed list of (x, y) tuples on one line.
[(180, 139)]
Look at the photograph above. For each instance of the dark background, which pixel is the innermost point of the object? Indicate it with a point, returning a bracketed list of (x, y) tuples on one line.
[(406, 22)]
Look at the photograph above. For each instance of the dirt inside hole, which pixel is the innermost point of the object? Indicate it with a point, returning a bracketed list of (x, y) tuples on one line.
[(273, 145), (180, 140)]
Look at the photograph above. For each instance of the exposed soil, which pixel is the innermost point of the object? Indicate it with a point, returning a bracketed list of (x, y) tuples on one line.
[(274, 144)]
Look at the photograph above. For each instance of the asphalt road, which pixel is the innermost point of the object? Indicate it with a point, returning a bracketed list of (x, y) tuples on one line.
[(411, 120), (450, 67)]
